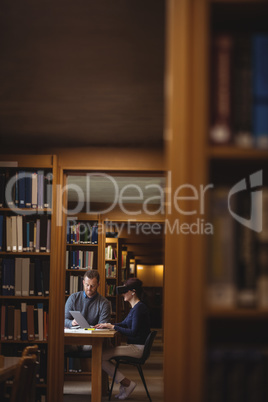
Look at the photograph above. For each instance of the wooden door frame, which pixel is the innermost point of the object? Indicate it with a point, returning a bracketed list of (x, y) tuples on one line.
[(80, 162)]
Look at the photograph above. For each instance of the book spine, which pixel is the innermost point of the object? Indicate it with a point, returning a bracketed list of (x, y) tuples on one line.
[(40, 308), (34, 190), (22, 191), (1, 231), (25, 276), (242, 91), (2, 189), (221, 125), (18, 276), (32, 279), (40, 189), (10, 322), (30, 321), (260, 89), (3, 322), (24, 332), (28, 190), (246, 256)]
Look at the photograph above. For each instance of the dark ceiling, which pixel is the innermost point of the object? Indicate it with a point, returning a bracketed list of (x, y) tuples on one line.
[(81, 73)]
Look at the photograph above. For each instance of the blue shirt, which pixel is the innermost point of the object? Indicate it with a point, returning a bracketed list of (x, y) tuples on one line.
[(136, 326)]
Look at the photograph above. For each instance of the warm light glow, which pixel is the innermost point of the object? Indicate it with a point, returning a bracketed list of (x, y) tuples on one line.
[(151, 275)]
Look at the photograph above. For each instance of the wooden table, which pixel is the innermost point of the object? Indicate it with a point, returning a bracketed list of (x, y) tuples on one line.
[(9, 368), (94, 338)]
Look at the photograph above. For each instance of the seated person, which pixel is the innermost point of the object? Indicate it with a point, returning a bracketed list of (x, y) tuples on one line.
[(95, 308), (136, 327)]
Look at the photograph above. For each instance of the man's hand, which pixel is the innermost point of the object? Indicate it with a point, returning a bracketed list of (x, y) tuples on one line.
[(74, 323)]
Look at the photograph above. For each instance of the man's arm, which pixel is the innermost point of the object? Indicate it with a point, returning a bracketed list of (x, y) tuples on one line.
[(105, 312), (69, 306)]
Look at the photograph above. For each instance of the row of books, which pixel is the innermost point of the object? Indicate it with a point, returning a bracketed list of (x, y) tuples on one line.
[(110, 252), (110, 289), (24, 277), (124, 259), (110, 270), (22, 234), (237, 375), (74, 284), (25, 189), (82, 232), (238, 255), (239, 90), (79, 259), (27, 323)]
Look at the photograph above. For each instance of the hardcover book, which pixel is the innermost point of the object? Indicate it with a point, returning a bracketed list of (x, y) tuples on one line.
[(260, 89), (221, 124)]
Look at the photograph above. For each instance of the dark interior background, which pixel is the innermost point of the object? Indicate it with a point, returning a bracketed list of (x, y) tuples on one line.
[(81, 73)]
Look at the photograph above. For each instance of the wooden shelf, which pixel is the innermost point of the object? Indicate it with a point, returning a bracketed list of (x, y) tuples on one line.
[(24, 342), (12, 253), (84, 216), (237, 313), (28, 161), (81, 245), (35, 210), (77, 269), (238, 1), (25, 297), (232, 152)]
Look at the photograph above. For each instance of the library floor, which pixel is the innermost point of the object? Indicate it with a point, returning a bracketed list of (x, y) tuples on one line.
[(75, 391)]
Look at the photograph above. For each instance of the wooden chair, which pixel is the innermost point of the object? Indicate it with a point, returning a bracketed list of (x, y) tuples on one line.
[(24, 380), (30, 350), (134, 361)]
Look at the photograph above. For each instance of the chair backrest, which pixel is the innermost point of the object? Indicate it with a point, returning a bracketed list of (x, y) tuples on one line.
[(30, 350), (24, 379), (148, 346)]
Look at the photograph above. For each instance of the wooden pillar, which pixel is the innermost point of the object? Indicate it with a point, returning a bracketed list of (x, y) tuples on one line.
[(185, 134), (57, 300)]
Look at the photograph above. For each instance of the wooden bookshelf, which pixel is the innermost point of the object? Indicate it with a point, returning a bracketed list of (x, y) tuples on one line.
[(10, 166), (198, 327), (112, 274), (82, 251)]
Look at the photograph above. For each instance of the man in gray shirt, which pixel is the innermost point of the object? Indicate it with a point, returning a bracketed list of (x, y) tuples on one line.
[(95, 308)]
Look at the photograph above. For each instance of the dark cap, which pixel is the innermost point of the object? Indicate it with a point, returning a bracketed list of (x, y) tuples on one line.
[(120, 290), (130, 284)]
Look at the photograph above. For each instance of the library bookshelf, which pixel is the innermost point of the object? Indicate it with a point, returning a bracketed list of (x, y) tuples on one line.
[(112, 274), (117, 271), (81, 250), (208, 334), (27, 265)]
